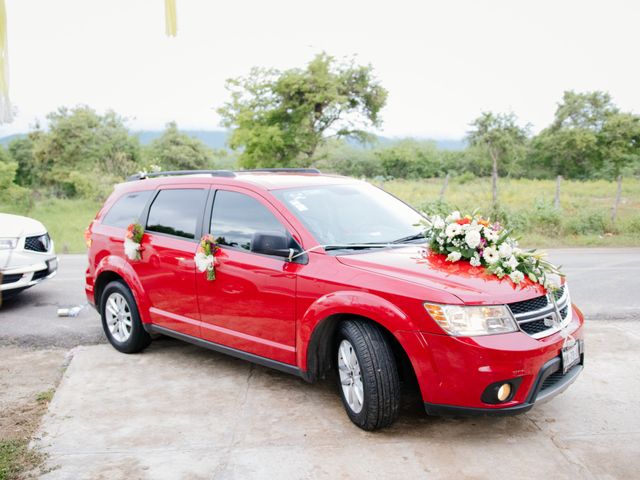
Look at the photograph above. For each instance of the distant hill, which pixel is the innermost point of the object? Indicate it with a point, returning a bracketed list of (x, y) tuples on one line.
[(217, 139)]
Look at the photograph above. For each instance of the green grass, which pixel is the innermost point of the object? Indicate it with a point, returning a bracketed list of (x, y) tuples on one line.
[(46, 396), (66, 220), (583, 219), (16, 458), (527, 205)]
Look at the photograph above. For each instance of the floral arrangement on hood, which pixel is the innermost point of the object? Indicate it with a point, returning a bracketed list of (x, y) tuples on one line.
[(204, 258), (485, 244), (132, 240)]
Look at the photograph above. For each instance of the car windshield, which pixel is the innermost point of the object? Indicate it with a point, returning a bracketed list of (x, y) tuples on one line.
[(351, 214)]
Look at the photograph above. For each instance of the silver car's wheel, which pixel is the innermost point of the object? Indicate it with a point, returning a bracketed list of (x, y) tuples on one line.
[(118, 317), (350, 376)]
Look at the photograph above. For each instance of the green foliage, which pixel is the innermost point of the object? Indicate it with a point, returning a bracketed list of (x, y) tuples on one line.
[(501, 138), (9, 191), (280, 118), (174, 150)]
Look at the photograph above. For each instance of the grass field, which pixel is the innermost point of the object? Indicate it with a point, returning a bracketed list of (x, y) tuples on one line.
[(582, 220)]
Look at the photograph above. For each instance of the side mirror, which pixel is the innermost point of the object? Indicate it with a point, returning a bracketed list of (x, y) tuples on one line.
[(274, 243)]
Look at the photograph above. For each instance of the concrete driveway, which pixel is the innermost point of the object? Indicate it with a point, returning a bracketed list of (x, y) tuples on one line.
[(176, 411)]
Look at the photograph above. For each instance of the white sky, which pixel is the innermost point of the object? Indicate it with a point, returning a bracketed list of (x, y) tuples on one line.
[(442, 62)]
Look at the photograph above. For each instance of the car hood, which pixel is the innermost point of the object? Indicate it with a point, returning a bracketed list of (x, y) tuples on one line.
[(19, 226), (421, 266)]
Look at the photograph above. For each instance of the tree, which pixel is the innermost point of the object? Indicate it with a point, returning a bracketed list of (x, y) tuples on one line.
[(175, 150), (83, 151), (619, 140), (570, 146), (279, 118), (502, 138)]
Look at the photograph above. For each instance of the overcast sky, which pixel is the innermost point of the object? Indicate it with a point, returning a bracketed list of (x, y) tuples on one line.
[(442, 62)]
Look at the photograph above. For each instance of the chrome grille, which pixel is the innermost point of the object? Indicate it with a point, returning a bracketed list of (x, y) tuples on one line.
[(535, 316)]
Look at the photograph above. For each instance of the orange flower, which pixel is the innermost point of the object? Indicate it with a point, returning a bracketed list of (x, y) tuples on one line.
[(483, 222), (463, 221), (129, 235)]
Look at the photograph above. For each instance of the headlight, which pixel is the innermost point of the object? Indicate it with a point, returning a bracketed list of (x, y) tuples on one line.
[(8, 243), (468, 321)]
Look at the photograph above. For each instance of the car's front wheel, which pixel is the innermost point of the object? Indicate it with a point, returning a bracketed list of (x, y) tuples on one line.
[(121, 320), (367, 374)]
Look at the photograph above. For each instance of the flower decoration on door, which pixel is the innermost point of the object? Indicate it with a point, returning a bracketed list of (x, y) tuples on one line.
[(204, 258)]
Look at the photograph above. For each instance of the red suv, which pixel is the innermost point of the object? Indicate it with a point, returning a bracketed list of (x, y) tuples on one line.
[(318, 273)]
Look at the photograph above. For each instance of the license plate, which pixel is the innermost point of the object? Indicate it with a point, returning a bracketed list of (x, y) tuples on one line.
[(570, 357), (52, 264)]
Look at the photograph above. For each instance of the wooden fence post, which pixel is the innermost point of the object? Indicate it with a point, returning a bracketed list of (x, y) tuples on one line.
[(443, 190), (556, 202), (614, 209)]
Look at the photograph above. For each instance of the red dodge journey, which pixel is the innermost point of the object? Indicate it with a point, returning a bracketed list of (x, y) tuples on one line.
[(316, 274)]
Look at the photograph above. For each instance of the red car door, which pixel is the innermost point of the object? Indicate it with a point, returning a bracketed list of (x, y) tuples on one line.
[(167, 269), (250, 306)]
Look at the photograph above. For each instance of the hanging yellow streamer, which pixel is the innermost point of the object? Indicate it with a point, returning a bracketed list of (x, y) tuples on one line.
[(6, 113), (171, 21)]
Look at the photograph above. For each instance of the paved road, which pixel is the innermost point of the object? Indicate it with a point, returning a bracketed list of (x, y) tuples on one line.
[(605, 283)]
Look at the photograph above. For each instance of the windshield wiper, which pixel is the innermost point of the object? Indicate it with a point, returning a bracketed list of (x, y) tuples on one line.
[(415, 236), (355, 246)]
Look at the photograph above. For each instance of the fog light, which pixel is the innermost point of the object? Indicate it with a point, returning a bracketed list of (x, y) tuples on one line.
[(504, 391)]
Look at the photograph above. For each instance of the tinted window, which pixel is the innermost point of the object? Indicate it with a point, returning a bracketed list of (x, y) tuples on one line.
[(236, 217), (176, 212), (127, 209)]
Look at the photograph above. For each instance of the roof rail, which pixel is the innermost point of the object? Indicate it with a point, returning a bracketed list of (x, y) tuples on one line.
[(283, 170), (213, 173)]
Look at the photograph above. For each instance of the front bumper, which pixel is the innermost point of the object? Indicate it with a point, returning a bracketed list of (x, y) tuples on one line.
[(29, 274), (453, 372)]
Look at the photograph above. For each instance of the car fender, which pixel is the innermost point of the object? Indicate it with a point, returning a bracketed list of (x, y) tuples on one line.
[(358, 303), (118, 265)]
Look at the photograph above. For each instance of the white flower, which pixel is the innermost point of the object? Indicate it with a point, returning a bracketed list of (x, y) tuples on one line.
[(490, 255), (512, 263), (437, 222), (499, 272), (131, 249), (490, 234), (472, 237), (454, 216), (475, 261), (203, 262), (505, 250), (453, 229), (454, 257), (516, 276)]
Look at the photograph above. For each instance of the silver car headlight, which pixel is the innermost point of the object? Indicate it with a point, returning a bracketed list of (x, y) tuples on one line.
[(471, 321), (8, 243)]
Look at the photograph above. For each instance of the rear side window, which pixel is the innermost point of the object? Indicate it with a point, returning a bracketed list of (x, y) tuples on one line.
[(236, 217), (176, 212), (127, 209)]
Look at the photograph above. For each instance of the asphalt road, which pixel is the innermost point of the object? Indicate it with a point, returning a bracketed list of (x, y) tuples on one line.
[(605, 284)]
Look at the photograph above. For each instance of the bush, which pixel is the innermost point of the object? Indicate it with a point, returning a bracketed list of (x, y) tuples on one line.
[(587, 222)]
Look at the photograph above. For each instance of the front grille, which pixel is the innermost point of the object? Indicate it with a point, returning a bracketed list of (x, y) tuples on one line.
[(551, 380), (535, 316), (40, 274), (11, 278), (38, 244)]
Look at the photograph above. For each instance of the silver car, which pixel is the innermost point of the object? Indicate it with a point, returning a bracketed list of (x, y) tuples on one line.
[(27, 254)]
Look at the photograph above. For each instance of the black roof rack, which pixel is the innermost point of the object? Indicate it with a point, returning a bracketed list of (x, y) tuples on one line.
[(283, 170), (219, 173), (213, 173)]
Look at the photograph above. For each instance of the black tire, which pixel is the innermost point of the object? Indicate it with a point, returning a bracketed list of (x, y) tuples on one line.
[(379, 373), (138, 338)]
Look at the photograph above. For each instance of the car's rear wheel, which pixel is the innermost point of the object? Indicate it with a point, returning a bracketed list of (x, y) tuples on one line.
[(121, 320), (367, 374)]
